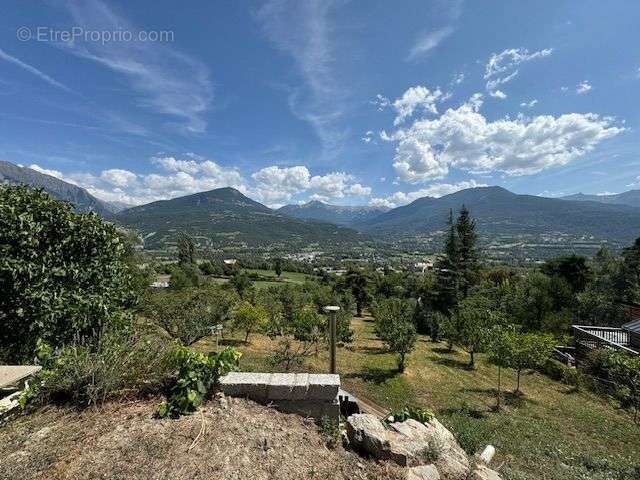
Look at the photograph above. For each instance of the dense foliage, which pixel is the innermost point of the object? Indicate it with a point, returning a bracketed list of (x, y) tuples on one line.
[(63, 275)]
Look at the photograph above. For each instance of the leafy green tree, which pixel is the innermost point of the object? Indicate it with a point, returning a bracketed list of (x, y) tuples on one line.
[(188, 314), (248, 318), (394, 326), (184, 275), (572, 268), (241, 282), (277, 266), (471, 325), (186, 250), (624, 370), (528, 351), (500, 347), (629, 277), (299, 338), (63, 275), (358, 282)]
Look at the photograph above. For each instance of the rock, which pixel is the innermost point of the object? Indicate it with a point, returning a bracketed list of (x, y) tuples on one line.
[(367, 434), (410, 443), (422, 472), (487, 454), (483, 472)]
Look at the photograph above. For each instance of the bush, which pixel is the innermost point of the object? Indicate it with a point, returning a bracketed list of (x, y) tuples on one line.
[(184, 276), (62, 274), (197, 376), (121, 364)]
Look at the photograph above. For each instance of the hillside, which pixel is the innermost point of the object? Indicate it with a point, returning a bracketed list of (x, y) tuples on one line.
[(500, 212), (224, 216), (339, 214), (630, 198), (124, 441), (82, 200)]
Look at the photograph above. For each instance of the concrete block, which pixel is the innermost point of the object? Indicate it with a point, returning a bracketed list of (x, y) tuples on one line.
[(246, 384), (310, 408), (281, 386), (323, 386)]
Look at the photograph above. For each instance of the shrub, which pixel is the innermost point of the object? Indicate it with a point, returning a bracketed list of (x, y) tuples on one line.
[(420, 414), (122, 363), (62, 274), (197, 376), (184, 276)]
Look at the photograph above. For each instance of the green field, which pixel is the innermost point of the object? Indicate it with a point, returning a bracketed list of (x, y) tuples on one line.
[(292, 277), (552, 432)]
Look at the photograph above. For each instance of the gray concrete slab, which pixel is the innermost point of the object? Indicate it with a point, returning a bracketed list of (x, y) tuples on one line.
[(15, 375)]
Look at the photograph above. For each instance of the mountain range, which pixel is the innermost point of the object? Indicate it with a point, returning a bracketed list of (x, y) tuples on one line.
[(226, 217), (82, 200), (631, 198), (339, 214)]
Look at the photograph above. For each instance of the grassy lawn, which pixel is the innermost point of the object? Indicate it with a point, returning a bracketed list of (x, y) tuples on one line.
[(293, 277), (552, 432)]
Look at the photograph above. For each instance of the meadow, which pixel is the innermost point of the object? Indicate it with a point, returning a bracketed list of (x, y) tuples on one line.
[(552, 431)]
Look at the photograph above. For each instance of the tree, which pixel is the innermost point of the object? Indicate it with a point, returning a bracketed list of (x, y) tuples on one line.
[(186, 250), (394, 326), (467, 257), (299, 338), (359, 284), (62, 274), (528, 351), (183, 276), (188, 315), (499, 349), (470, 326), (447, 278), (240, 282), (629, 276), (248, 317), (624, 370), (277, 266), (572, 268)]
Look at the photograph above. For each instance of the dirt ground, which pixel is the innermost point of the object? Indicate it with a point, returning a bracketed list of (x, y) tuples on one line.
[(124, 441)]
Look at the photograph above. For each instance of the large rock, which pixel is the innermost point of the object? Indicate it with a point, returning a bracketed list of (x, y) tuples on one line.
[(483, 472), (422, 472), (410, 443)]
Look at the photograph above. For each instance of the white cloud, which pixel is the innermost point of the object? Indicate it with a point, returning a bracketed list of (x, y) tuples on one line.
[(583, 87), (529, 104), (428, 42), (167, 81), (305, 31), (45, 171), (506, 60), (434, 190), (463, 138), (498, 94), (458, 78), (33, 70), (277, 184), (502, 67), (413, 98), (368, 137), (118, 177)]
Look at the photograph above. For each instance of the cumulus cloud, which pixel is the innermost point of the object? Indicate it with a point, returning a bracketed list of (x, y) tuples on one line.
[(464, 139), (46, 171), (434, 190), (414, 98), (278, 184), (583, 87), (498, 94), (118, 177)]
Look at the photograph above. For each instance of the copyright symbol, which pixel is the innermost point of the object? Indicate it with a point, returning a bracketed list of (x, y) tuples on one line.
[(23, 34)]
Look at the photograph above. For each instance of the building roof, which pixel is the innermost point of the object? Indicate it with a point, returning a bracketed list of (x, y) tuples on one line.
[(632, 326)]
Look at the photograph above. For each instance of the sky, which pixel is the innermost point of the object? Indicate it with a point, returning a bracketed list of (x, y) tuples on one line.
[(348, 102)]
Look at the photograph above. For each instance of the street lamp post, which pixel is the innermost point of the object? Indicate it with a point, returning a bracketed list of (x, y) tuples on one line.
[(332, 310)]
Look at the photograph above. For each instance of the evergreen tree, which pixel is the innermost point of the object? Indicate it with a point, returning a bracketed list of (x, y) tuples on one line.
[(629, 281), (467, 255), (447, 283), (186, 250)]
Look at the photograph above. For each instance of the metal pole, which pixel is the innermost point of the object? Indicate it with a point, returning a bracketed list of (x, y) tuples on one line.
[(332, 332), (332, 310)]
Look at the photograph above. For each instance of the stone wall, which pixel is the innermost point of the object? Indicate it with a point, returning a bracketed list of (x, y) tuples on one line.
[(312, 395)]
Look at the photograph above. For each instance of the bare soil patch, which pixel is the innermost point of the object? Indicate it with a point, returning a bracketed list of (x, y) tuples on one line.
[(124, 441)]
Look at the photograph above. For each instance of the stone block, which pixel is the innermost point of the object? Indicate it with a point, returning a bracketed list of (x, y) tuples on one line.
[(246, 384), (323, 386)]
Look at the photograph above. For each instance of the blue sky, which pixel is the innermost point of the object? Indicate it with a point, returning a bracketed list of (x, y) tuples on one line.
[(350, 102)]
